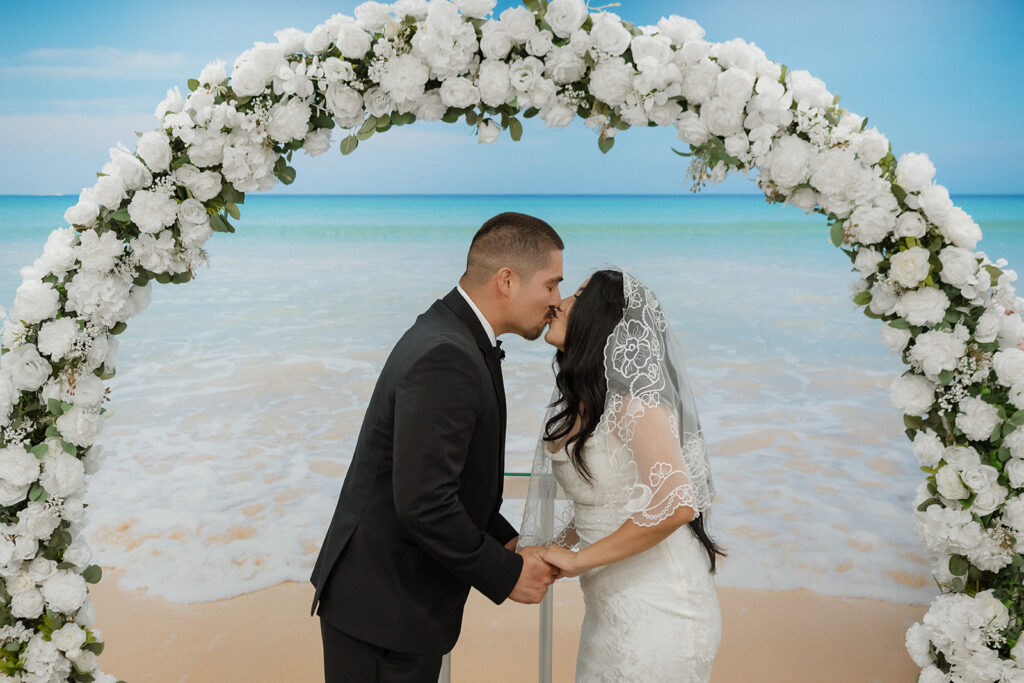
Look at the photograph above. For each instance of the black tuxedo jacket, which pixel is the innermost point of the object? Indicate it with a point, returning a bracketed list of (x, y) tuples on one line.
[(418, 521)]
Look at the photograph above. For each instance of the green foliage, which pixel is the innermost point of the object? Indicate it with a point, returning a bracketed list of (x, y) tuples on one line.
[(349, 144), (92, 574), (220, 224), (605, 143)]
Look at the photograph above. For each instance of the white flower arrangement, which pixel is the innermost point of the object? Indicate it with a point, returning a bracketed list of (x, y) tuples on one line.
[(951, 314)]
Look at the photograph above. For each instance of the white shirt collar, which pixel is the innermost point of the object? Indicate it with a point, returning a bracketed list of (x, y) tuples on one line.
[(483, 321)]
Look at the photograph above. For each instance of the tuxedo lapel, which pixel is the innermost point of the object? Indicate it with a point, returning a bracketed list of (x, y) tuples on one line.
[(458, 305)]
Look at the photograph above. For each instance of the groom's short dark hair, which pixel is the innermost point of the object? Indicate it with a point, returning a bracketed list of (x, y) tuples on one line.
[(517, 240)]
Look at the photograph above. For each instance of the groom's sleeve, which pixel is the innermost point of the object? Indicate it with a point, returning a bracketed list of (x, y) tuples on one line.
[(436, 407), (500, 528)]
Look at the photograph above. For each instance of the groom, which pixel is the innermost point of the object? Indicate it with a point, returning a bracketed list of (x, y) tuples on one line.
[(418, 521)]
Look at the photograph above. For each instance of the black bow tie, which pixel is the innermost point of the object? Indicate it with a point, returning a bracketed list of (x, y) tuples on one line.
[(497, 351)]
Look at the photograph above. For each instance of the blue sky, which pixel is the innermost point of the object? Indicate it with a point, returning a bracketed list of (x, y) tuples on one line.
[(940, 77)]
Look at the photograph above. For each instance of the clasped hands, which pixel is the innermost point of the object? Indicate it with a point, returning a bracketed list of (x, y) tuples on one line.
[(541, 566)]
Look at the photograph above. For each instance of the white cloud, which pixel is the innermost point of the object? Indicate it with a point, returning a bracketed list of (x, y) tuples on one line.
[(96, 62)]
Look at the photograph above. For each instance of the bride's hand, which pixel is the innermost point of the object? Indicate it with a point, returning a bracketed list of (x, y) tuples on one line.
[(566, 560)]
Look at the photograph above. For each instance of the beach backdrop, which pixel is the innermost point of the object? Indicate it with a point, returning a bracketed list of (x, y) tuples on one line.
[(238, 396)]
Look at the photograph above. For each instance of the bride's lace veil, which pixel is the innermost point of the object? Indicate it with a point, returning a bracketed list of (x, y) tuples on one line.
[(657, 452)]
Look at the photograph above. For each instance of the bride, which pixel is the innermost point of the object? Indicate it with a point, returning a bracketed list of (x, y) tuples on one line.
[(622, 437)]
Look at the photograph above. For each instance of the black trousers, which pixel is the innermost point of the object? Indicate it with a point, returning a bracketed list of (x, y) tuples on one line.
[(350, 660)]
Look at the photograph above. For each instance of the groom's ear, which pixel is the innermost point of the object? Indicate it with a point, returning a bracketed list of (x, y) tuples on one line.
[(505, 279)]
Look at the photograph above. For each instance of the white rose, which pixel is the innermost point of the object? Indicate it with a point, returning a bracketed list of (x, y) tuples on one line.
[(1016, 396), (909, 267), (68, 637), (789, 161), (947, 479), (459, 92), (346, 104), (38, 521), (989, 325), (79, 553), (936, 204), (1009, 366), (700, 81), (558, 115), (289, 120), (477, 9), (64, 592), (152, 211), (109, 192), (317, 142), (41, 569), (927, 448), (912, 394), (580, 42), (1011, 330), (35, 301), (405, 78), (987, 502), (935, 351), (867, 261), (98, 252), (495, 41), (563, 65), (213, 73), (354, 42), (494, 83), (18, 466), (80, 427), (977, 418), (608, 33), (870, 146), (540, 43), (172, 103), (430, 107), (27, 605), (959, 266), (63, 476), (679, 29), (739, 53), (205, 186), (22, 582), (488, 131), (691, 129), (337, 70), (980, 478), (372, 15), (565, 16), (377, 102), (26, 368), (895, 340), (871, 224), (192, 211), (84, 212), (132, 173), (1015, 442), (58, 255), (722, 117), (910, 224), (1015, 471), (918, 644), (914, 172), (157, 254), (924, 306), (736, 85), (12, 494), (959, 228), (56, 337), (25, 548), (519, 23), (808, 90)]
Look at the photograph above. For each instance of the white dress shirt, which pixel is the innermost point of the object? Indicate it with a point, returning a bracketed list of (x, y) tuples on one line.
[(483, 321)]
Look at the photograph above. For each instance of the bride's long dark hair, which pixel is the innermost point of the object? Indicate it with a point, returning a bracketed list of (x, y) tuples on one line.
[(581, 383)]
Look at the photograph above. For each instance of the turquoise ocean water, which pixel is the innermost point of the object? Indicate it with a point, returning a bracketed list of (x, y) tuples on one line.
[(238, 396)]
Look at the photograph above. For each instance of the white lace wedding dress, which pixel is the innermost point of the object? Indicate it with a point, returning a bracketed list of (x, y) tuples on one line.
[(650, 618)]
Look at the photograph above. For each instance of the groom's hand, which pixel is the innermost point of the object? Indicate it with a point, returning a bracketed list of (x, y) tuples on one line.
[(535, 578), (511, 545)]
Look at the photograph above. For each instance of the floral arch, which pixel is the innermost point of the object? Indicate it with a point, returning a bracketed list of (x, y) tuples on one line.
[(950, 312)]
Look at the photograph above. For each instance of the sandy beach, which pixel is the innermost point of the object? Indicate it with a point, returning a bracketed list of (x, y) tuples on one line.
[(268, 635)]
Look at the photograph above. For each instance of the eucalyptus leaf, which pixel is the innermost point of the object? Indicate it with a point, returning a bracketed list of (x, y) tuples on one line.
[(349, 144), (515, 129), (92, 574), (836, 234), (119, 327), (604, 144)]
